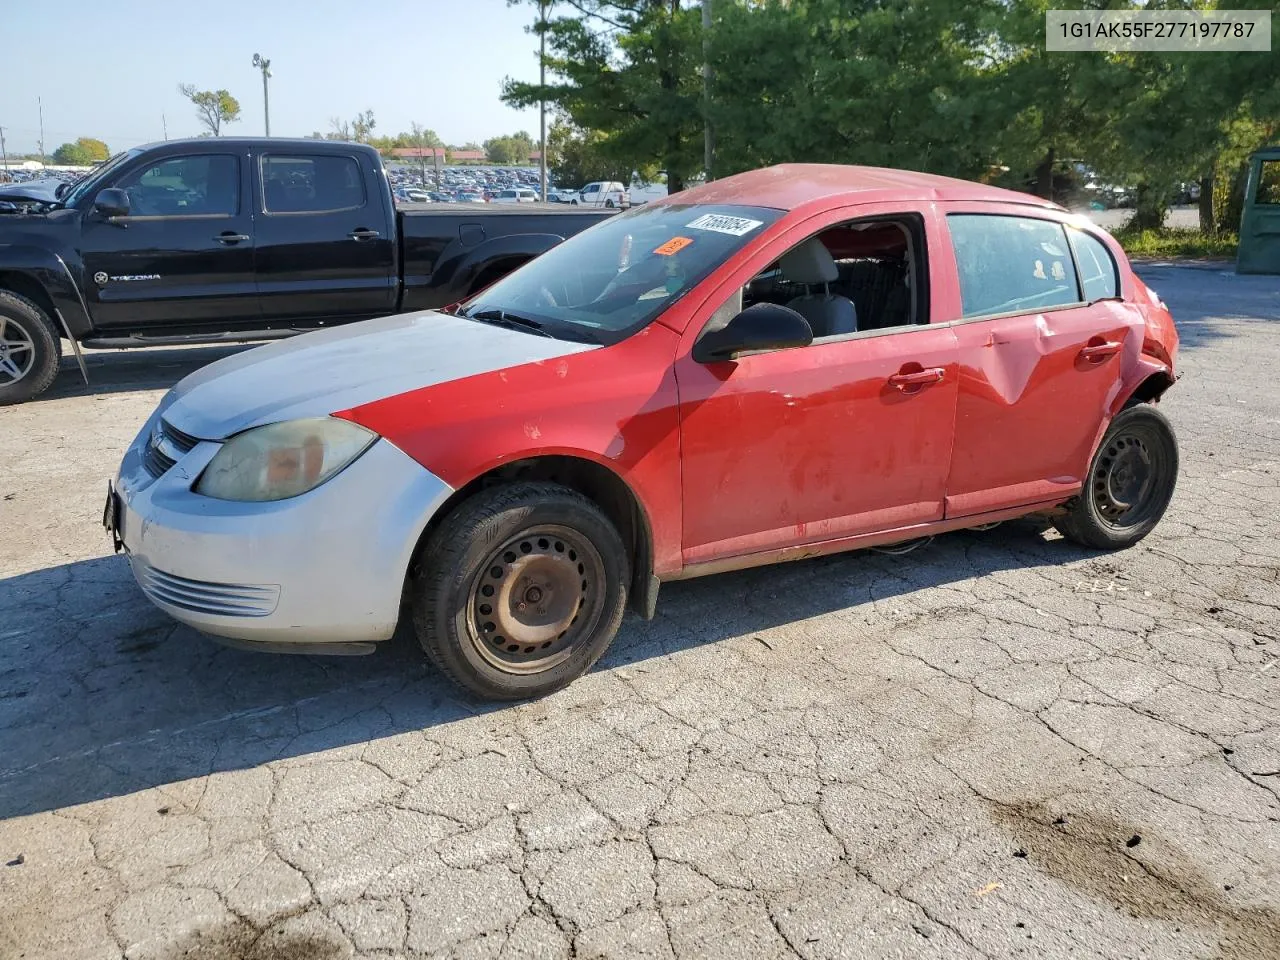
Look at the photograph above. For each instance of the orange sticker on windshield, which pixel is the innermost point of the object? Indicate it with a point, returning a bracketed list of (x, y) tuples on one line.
[(674, 245)]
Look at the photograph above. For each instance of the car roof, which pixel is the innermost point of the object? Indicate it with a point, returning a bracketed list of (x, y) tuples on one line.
[(792, 185)]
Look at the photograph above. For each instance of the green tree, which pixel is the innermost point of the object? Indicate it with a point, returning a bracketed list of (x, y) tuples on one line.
[(513, 148), (629, 71), (213, 107), (576, 156), (82, 153)]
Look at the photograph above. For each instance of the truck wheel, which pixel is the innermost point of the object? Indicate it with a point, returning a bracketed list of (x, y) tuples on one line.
[(30, 350), (521, 590), (609, 204), (1130, 482)]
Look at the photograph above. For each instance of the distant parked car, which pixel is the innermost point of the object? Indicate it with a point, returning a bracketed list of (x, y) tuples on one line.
[(603, 193), (412, 195), (516, 195)]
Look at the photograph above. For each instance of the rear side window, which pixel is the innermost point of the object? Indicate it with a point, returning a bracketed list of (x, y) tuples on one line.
[(1098, 277), (1011, 264), (311, 184)]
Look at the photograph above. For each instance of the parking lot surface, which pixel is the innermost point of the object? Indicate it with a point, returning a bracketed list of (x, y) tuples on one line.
[(998, 745)]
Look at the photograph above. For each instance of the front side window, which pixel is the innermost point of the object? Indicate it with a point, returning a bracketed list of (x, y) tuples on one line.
[(1011, 264), (1268, 183), (198, 186), (311, 184), (1098, 277), (605, 283)]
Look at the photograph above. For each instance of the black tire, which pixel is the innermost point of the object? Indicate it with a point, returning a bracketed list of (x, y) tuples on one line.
[(1130, 482), (609, 204), (556, 556), (30, 349)]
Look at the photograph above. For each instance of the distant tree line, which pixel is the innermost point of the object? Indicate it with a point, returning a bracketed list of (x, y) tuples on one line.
[(958, 87)]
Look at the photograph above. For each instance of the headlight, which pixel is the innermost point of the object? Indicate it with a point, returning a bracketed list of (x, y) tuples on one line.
[(283, 459)]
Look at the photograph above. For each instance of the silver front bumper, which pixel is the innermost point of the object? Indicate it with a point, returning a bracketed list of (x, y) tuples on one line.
[(328, 566)]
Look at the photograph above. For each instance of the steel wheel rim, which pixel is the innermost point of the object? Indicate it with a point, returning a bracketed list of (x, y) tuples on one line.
[(1127, 478), (535, 598), (17, 351)]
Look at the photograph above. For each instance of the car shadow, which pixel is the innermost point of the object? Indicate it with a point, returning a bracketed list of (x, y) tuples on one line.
[(102, 695), (137, 368)]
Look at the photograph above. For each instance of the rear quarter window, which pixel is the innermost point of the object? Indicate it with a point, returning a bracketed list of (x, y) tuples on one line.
[(1011, 264), (1098, 275)]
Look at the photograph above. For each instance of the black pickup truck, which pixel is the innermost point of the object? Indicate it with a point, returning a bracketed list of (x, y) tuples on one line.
[(198, 241)]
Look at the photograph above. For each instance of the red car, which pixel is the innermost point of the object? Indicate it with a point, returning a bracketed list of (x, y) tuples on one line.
[(789, 362)]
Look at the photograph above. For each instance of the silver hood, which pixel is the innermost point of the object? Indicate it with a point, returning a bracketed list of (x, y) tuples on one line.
[(316, 374)]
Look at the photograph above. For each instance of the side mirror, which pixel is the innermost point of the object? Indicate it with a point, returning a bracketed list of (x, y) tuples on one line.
[(112, 202), (765, 326)]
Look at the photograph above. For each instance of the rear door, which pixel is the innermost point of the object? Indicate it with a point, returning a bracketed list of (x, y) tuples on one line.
[(326, 248), (1040, 344), (184, 254)]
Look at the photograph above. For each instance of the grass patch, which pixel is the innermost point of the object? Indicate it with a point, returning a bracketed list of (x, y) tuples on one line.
[(1177, 242)]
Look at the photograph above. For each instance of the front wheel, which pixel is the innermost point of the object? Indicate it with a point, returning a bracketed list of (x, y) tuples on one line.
[(520, 590), (1130, 482), (30, 351)]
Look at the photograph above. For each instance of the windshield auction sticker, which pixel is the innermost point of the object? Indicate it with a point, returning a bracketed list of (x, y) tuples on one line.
[(674, 245), (719, 223), (1158, 31)]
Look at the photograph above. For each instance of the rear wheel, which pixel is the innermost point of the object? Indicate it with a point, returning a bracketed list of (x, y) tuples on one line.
[(521, 590), (30, 350), (1130, 482)]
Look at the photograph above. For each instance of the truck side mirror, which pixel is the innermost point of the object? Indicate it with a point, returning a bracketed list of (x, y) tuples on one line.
[(112, 202)]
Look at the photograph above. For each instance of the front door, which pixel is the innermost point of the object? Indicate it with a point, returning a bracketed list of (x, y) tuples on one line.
[(1260, 225), (1040, 346), (326, 244), (184, 254), (847, 436)]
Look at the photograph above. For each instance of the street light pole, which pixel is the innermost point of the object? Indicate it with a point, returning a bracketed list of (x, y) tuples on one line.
[(542, 104), (263, 64)]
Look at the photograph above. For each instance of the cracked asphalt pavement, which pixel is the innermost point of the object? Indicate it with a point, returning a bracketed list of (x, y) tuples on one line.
[(998, 745)]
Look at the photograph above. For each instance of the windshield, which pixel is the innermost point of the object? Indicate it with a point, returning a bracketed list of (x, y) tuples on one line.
[(94, 176), (609, 281)]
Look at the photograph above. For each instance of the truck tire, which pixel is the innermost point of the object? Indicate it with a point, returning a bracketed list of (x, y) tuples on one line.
[(520, 590), (30, 349)]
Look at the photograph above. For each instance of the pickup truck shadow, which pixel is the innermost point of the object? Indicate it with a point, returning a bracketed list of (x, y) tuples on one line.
[(125, 371), (102, 695)]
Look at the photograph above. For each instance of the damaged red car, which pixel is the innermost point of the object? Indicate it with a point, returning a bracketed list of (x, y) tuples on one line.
[(790, 362)]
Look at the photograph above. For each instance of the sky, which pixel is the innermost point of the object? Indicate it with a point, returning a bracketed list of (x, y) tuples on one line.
[(111, 68)]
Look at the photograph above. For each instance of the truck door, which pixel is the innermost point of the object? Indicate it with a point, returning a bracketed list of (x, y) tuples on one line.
[(184, 254), (326, 240)]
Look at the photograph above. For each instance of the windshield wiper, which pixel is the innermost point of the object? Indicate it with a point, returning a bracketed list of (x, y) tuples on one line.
[(509, 321)]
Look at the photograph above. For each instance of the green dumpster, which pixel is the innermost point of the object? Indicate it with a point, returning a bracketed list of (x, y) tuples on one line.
[(1260, 224)]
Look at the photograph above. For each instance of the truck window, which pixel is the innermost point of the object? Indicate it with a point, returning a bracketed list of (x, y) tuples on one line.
[(311, 184), (196, 186), (1011, 264)]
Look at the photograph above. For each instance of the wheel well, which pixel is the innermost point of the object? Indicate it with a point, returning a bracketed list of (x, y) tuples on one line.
[(599, 484), (495, 272), (1150, 389), (25, 286)]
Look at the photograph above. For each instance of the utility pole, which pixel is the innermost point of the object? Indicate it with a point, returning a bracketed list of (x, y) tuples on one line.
[(542, 103), (164, 125), (4, 155), (708, 136), (263, 64), (40, 107)]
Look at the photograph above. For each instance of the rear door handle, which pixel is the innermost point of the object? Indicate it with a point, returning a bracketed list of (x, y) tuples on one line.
[(1097, 352), (919, 378), (230, 238), (361, 234)]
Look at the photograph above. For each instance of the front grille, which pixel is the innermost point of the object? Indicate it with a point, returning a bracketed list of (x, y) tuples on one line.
[(202, 596), (165, 445)]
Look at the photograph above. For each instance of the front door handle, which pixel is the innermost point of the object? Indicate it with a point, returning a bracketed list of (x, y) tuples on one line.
[(918, 378), (360, 234), (230, 239), (1098, 350)]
